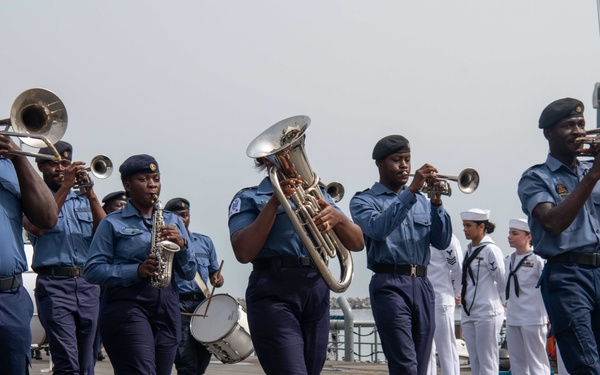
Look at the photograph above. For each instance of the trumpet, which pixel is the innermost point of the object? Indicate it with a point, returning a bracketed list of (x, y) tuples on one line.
[(100, 166), (467, 180), (39, 119), (335, 190)]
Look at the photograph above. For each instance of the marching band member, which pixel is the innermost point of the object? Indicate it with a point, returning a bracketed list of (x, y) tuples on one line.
[(444, 273), (526, 317), (287, 299), (22, 192), (67, 304), (561, 199), (482, 293), (140, 325), (399, 225), (192, 357)]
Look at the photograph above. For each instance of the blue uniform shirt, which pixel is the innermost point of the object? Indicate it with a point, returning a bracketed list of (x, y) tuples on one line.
[(204, 251), (398, 229), (122, 242), (282, 240), (12, 255), (552, 182), (66, 244)]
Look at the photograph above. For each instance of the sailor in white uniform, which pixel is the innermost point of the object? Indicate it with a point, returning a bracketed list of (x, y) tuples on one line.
[(526, 317), (444, 273), (482, 293)]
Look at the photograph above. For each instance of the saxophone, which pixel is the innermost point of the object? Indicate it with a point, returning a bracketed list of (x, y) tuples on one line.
[(163, 250)]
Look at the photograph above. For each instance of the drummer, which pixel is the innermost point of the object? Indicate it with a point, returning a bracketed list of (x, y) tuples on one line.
[(192, 357)]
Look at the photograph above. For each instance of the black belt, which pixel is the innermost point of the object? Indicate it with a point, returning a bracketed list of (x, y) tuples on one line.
[(582, 259), (11, 282), (191, 297), (282, 262), (59, 271), (400, 269)]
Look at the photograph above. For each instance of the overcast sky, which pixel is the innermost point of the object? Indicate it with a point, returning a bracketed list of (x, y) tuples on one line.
[(193, 82)]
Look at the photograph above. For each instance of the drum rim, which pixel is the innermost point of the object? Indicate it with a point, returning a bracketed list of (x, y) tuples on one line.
[(233, 327)]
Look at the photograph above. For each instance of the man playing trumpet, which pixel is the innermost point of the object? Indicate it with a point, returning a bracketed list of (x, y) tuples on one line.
[(561, 198), (399, 225), (67, 304)]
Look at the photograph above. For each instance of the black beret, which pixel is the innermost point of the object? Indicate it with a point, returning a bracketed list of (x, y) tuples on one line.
[(560, 109), (177, 204), (64, 149), (117, 195), (138, 163), (389, 145)]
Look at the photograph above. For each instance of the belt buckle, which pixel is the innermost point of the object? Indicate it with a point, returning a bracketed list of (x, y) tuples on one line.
[(413, 270), (305, 261), (596, 259)]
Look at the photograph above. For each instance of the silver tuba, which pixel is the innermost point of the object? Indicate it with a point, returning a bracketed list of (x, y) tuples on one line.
[(163, 250), (39, 119), (283, 145)]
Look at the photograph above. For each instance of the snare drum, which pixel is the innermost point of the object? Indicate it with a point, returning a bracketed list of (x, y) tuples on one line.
[(224, 331)]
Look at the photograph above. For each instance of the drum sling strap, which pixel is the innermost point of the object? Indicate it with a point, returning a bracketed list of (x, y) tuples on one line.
[(513, 274), (465, 268), (202, 285)]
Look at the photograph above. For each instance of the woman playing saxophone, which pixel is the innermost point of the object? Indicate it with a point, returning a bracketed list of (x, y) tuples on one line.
[(140, 324)]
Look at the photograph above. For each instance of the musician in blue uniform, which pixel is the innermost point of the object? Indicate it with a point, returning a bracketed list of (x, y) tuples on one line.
[(67, 304), (192, 357), (287, 299), (22, 191), (561, 198), (399, 225), (140, 324)]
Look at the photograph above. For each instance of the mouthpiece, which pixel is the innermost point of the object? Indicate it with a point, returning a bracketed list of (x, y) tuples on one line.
[(154, 198)]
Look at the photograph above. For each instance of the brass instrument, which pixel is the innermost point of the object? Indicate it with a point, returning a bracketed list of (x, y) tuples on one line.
[(164, 250), (467, 180), (335, 190), (39, 119), (283, 145), (101, 167)]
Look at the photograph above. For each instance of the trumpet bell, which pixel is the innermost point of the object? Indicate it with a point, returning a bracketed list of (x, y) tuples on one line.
[(101, 166), (468, 180), (335, 190), (39, 112)]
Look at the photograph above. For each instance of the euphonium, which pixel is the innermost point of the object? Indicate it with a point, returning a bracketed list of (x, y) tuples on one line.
[(163, 250), (283, 145)]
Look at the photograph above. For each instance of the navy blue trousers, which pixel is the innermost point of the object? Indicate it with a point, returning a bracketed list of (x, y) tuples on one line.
[(68, 311), (192, 357), (403, 308), (288, 315), (16, 310), (572, 298), (140, 328)]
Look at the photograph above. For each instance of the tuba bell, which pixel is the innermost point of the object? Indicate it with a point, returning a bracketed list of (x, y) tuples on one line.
[(283, 145), (39, 119)]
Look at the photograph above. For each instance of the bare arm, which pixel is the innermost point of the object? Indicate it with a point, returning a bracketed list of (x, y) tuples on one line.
[(36, 199), (331, 218), (249, 241)]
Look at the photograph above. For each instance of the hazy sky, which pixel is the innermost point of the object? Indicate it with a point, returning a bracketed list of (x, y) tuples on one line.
[(193, 82)]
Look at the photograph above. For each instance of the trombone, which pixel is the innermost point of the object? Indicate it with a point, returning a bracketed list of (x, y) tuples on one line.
[(39, 119), (101, 167), (467, 180)]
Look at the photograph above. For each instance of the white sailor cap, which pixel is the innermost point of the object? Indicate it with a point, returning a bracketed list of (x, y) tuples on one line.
[(475, 214), (520, 224)]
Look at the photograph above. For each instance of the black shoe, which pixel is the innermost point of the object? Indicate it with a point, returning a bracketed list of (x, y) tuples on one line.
[(101, 357)]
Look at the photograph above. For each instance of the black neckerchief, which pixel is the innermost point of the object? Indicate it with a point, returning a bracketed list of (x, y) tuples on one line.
[(513, 273), (466, 263)]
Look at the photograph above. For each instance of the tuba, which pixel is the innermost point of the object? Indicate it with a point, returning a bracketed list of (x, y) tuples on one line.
[(39, 119), (163, 250), (283, 145)]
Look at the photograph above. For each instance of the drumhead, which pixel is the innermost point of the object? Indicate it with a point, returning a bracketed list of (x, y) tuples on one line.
[(222, 316)]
